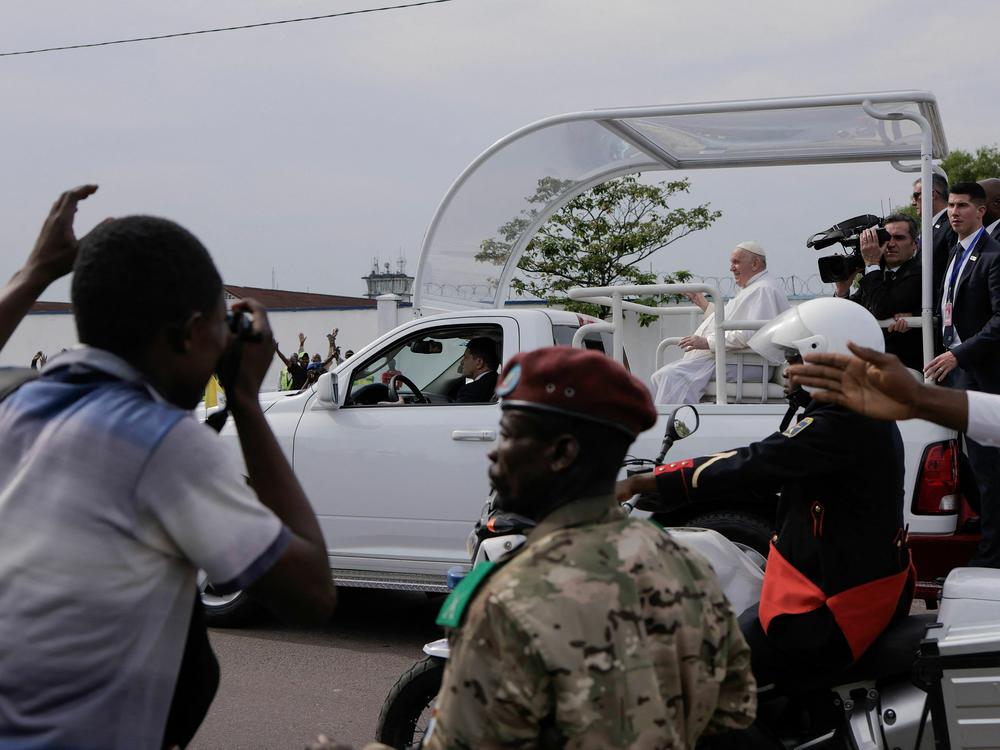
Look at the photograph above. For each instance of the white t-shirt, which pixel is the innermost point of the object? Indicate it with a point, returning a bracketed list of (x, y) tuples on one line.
[(110, 501), (984, 418)]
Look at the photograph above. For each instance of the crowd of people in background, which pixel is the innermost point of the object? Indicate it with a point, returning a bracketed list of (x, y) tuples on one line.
[(301, 370)]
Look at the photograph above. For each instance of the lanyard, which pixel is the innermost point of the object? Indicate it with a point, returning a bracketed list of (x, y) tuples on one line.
[(959, 262)]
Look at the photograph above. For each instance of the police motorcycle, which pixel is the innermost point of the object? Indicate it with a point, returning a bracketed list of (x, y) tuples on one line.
[(408, 708), (927, 682)]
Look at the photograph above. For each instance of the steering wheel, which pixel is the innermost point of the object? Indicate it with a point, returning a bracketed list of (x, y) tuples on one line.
[(394, 395)]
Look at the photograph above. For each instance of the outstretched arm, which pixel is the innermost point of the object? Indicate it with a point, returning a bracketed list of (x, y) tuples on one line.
[(333, 351), (51, 258), (877, 385), (281, 356), (299, 584)]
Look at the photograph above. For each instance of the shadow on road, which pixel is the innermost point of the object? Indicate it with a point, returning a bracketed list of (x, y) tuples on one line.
[(364, 616)]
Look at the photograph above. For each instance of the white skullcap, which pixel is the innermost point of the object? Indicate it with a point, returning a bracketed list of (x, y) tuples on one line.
[(752, 247)]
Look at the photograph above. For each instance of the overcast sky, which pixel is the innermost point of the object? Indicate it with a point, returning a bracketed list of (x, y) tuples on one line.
[(310, 148)]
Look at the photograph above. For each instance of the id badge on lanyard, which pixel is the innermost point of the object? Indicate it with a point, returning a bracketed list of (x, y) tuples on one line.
[(946, 314)]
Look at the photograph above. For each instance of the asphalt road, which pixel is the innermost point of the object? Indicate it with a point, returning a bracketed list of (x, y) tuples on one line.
[(281, 687)]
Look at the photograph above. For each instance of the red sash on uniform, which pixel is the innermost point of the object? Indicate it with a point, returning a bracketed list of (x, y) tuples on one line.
[(862, 612)]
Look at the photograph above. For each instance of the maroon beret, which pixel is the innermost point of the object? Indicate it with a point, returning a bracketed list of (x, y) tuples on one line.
[(578, 383)]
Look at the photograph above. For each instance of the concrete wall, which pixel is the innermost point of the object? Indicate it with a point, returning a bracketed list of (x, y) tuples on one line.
[(46, 332)]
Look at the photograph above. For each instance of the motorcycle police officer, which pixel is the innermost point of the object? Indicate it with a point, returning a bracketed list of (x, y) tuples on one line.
[(600, 631), (838, 571)]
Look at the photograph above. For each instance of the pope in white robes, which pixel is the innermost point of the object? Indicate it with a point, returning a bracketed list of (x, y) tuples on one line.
[(759, 298)]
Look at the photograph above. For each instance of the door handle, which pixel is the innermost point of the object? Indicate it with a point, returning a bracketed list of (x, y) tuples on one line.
[(485, 436)]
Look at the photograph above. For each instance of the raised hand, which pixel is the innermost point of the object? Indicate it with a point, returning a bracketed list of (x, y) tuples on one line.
[(871, 383), (56, 246)]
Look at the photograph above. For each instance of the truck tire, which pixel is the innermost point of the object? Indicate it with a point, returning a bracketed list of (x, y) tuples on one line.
[(403, 720), (737, 526), (236, 610)]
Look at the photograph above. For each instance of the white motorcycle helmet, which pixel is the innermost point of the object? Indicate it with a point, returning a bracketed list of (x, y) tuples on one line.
[(824, 324)]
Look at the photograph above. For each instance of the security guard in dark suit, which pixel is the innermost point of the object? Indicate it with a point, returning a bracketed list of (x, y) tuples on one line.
[(838, 571), (943, 236)]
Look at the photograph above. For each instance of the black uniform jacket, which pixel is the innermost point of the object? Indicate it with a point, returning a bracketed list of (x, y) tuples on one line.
[(885, 293), (838, 563), (944, 239)]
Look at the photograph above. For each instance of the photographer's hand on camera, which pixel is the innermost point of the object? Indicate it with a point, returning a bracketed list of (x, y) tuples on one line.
[(312, 598), (255, 354), (871, 250)]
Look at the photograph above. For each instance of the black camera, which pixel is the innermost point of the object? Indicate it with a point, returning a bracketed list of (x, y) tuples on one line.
[(241, 326), (848, 233)]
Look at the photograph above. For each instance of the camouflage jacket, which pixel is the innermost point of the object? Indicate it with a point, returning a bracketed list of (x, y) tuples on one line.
[(600, 632)]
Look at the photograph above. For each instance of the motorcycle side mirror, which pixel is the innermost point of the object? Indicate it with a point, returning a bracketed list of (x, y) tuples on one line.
[(684, 421)]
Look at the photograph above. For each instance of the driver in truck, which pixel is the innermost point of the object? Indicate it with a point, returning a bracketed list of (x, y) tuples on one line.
[(479, 363), (838, 572)]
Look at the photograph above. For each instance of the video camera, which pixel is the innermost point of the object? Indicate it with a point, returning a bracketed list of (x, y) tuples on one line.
[(848, 233)]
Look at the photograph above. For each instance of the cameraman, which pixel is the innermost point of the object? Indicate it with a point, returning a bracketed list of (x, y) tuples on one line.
[(890, 286), (112, 495)]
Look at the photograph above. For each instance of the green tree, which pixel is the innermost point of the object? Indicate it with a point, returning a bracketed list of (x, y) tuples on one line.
[(961, 166), (597, 239)]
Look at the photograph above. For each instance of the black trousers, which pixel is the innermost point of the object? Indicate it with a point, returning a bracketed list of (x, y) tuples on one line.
[(197, 683), (985, 463)]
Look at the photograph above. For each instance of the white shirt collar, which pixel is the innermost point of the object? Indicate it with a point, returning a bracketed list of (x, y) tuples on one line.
[(991, 227), (967, 242)]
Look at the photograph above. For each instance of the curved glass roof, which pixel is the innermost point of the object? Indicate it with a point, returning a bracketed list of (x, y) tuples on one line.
[(480, 229)]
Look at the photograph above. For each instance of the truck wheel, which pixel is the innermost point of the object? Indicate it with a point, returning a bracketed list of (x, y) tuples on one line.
[(234, 610), (744, 528), (406, 712)]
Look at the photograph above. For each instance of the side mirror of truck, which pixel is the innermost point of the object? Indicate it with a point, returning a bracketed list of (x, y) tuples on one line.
[(327, 392), (684, 421)]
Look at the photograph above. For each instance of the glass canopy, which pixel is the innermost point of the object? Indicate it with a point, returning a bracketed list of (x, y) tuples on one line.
[(484, 222)]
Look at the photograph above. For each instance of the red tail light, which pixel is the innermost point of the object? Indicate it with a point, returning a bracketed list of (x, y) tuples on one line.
[(937, 483)]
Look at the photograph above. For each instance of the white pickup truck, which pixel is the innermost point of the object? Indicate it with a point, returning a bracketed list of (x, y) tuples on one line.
[(397, 489)]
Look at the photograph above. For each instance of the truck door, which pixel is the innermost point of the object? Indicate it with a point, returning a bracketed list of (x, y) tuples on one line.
[(398, 487)]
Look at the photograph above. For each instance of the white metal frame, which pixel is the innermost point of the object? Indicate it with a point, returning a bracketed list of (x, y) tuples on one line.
[(614, 297), (616, 120)]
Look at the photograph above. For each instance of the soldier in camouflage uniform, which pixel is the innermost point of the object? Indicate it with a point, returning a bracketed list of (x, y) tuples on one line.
[(600, 631)]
